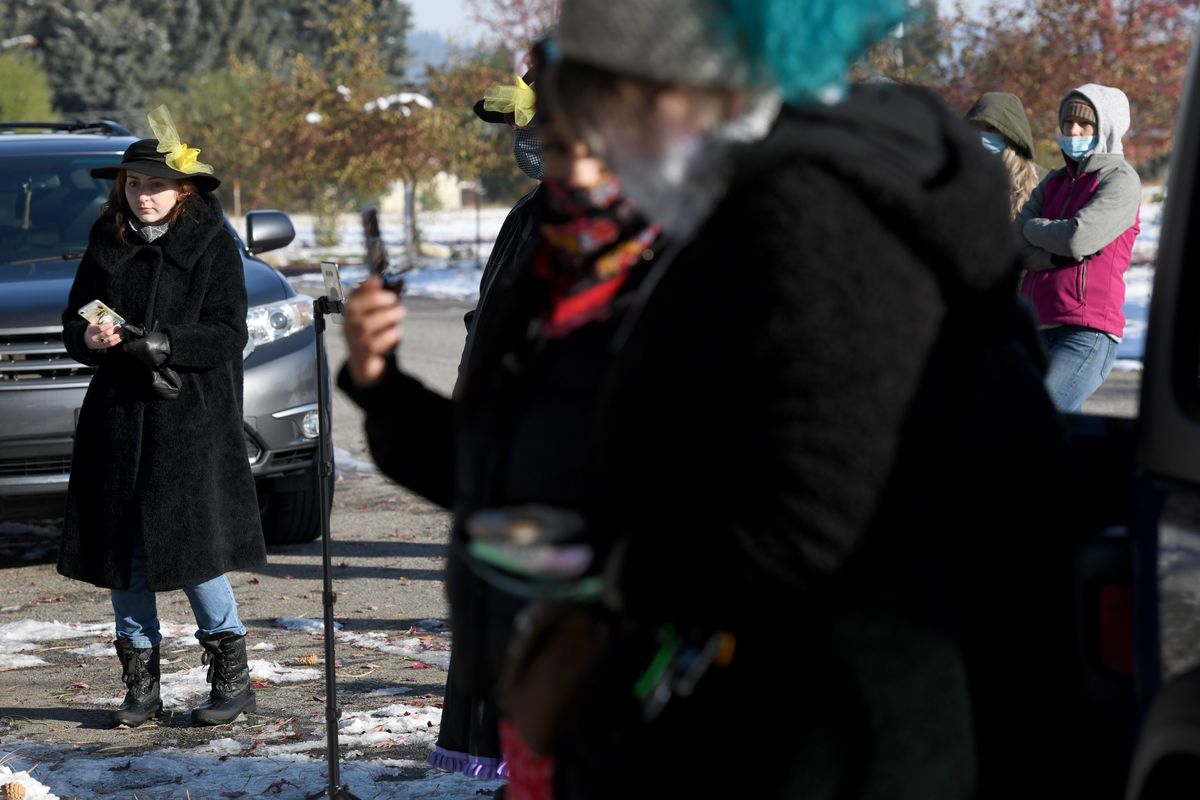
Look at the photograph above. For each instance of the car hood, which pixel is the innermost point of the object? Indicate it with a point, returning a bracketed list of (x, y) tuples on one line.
[(34, 295)]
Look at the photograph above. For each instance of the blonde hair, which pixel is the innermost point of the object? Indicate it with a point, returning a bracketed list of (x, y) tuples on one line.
[(1022, 179)]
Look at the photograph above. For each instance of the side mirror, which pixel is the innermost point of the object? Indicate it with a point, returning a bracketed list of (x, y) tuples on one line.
[(268, 230)]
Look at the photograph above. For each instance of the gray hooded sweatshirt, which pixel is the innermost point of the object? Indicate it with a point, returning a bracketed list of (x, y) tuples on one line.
[(1113, 208)]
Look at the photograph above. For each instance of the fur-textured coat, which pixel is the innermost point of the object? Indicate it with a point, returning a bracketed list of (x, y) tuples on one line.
[(173, 472)]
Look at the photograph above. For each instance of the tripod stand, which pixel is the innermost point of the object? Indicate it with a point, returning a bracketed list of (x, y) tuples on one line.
[(322, 307)]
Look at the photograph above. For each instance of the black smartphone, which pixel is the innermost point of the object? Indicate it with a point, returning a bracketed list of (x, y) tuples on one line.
[(378, 261)]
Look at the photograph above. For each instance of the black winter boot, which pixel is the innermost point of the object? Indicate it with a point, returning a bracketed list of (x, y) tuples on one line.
[(229, 674), (139, 672)]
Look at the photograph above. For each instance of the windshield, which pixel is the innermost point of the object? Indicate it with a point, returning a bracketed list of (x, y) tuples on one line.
[(48, 205)]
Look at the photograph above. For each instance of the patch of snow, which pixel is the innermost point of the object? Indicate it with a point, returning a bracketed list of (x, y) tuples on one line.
[(305, 625), (33, 789), (19, 662)]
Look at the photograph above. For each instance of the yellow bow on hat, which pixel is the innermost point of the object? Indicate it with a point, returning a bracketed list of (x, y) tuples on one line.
[(178, 155), (519, 100)]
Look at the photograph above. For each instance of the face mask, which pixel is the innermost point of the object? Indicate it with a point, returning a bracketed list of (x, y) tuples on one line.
[(1078, 147), (993, 142), (677, 187), (527, 150)]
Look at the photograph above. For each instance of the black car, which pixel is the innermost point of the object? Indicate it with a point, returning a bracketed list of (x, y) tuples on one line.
[(48, 203)]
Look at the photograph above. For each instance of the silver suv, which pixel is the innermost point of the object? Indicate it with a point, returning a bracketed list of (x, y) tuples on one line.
[(48, 202)]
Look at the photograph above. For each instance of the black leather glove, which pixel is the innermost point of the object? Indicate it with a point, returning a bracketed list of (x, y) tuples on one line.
[(153, 349)]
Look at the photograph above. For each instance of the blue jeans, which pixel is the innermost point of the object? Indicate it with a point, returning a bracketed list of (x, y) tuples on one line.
[(1080, 360), (137, 610)]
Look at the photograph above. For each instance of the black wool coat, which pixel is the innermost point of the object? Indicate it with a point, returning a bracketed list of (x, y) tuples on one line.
[(170, 472)]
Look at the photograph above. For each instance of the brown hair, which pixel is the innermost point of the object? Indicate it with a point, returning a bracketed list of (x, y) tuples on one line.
[(1022, 179), (119, 213)]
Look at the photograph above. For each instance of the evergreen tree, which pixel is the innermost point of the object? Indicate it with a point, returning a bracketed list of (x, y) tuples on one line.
[(103, 58), (110, 57)]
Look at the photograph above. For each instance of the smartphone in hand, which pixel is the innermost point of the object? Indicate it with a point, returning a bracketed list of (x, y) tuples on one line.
[(378, 261), (97, 313)]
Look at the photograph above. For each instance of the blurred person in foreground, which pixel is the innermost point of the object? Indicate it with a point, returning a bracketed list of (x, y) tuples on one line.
[(523, 406), (1004, 131), (820, 429), (1078, 230), (161, 496)]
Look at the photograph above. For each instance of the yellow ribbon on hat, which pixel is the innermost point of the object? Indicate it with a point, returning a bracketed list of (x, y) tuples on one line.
[(519, 100), (178, 155)]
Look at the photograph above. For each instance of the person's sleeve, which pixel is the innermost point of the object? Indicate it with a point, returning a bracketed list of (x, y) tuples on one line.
[(1111, 211), (410, 431), (219, 335), (1032, 257), (83, 291)]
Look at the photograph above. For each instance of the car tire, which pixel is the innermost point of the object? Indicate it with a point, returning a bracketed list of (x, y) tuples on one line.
[(291, 509)]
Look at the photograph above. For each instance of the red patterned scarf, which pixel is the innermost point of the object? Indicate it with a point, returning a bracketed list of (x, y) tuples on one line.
[(589, 243)]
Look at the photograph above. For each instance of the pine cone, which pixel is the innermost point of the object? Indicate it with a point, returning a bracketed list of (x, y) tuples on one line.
[(308, 660), (14, 791)]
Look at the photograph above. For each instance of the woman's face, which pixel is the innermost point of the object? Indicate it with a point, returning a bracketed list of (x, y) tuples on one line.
[(1077, 127), (151, 198)]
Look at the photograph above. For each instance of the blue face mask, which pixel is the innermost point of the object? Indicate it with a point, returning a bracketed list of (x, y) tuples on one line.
[(993, 142), (1078, 147)]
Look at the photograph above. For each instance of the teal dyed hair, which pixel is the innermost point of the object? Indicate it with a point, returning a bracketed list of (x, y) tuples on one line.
[(804, 48)]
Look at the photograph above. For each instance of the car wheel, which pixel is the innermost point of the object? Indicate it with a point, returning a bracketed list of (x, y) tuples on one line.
[(291, 508)]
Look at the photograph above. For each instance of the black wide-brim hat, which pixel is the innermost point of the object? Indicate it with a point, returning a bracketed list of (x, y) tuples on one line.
[(143, 156)]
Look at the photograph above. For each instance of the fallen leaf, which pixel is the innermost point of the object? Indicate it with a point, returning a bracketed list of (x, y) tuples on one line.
[(254, 581), (121, 768), (418, 665)]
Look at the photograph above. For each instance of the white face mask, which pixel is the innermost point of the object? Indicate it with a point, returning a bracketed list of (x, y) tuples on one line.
[(677, 187), (678, 180)]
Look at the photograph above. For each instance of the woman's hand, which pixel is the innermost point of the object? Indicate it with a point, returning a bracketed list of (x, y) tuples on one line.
[(372, 330), (102, 337)]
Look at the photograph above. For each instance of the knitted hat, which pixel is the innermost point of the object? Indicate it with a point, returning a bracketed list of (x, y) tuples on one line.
[(1077, 107), (728, 44), (1005, 113)]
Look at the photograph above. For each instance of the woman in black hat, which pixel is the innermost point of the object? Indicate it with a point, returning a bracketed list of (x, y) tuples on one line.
[(161, 496)]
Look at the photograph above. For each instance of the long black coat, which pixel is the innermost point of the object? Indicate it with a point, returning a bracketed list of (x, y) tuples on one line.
[(172, 472)]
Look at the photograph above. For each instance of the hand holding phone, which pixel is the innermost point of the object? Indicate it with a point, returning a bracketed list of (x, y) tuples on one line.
[(104, 328), (373, 330), (97, 313)]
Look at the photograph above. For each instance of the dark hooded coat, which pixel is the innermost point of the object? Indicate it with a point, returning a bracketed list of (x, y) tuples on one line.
[(1005, 113), (170, 472)]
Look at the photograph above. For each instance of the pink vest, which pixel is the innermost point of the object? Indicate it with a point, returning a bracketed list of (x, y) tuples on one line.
[(1090, 293)]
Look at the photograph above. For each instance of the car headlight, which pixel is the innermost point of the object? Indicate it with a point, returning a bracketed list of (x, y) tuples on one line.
[(267, 323)]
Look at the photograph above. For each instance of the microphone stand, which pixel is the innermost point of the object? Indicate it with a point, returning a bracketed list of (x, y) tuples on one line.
[(322, 307)]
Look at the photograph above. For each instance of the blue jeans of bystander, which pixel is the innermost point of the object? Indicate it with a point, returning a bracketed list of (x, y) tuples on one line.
[(1080, 360), (136, 608)]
